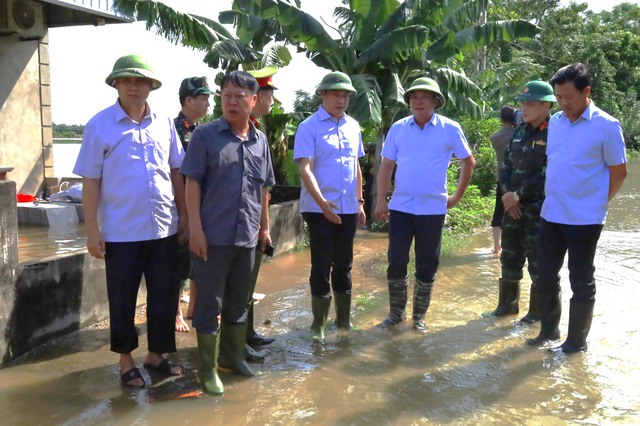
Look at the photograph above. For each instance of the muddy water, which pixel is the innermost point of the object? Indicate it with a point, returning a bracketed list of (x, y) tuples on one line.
[(465, 370)]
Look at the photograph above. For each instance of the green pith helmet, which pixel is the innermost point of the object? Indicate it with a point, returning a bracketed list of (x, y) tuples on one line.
[(537, 90), (336, 80), (427, 84), (132, 66)]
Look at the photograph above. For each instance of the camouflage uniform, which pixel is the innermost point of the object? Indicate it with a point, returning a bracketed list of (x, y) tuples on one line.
[(523, 172), (184, 128)]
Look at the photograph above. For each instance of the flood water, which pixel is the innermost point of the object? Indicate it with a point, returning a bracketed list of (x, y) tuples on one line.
[(465, 370)]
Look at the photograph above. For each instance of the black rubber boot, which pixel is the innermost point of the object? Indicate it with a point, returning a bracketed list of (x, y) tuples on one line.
[(533, 315), (550, 308), (320, 309), (253, 337), (397, 301), (421, 301), (508, 298), (580, 317), (208, 371), (232, 343), (252, 355), (342, 303)]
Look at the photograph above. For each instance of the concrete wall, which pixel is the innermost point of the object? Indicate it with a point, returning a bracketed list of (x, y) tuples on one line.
[(8, 255), (43, 299), (26, 136)]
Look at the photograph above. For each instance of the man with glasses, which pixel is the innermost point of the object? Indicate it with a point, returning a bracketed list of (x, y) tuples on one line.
[(327, 148), (228, 170), (421, 146)]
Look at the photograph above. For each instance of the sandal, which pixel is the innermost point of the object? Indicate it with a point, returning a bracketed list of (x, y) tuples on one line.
[(130, 376), (164, 367)]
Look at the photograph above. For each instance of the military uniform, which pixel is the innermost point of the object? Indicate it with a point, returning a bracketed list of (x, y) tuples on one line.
[(184, 128), (522, 178), (523, 172)]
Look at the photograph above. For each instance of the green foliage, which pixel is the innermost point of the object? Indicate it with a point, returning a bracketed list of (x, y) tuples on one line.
[(291, 170), (67, 130), (473, 210), (478, 133)]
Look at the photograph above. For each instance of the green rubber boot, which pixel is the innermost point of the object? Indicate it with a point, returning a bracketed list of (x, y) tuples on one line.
[(343, 310), (208, 371), (320, 309), (232, 344)]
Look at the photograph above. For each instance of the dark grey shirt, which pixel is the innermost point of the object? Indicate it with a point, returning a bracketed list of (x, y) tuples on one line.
[(500, 142), (232, 173)]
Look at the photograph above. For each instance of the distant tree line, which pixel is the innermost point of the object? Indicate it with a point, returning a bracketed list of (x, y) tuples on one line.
[(68, 130)]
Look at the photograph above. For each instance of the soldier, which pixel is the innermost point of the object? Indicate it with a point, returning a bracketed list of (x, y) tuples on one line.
[(194, 98), (522, 177)]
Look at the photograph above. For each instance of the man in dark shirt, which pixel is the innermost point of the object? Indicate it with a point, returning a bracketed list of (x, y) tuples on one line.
[(228, 169)]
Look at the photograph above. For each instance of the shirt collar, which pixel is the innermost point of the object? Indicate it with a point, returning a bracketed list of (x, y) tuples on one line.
[(224, 125), (587, 114), (187, 124), (120, 114), (433, 120), (324, 115)]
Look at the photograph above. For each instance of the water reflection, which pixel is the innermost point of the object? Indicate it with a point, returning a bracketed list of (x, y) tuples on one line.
[(37, 243), (465, 370)]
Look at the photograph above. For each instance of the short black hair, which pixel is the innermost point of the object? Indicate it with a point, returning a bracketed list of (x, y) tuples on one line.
[(577, 73), (508, 114), (240, 79)]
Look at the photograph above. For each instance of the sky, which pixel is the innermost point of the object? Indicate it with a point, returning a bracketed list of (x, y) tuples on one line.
[(82, 57)]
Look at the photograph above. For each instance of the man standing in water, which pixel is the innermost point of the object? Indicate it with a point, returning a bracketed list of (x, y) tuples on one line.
[(327, 147), (264, 102), (134, 208), (228, 170), (522, 183), (500, 142), (586, 168), (194, 95), (422, 146)]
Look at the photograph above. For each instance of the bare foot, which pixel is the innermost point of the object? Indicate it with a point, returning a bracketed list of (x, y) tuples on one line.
[(181, 324)]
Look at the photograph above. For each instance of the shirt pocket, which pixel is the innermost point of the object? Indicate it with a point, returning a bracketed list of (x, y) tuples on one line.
[(254, 166)]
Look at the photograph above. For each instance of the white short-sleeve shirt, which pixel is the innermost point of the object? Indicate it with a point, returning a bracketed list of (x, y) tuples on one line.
[(579, 155), (422, 157), (134, 162)]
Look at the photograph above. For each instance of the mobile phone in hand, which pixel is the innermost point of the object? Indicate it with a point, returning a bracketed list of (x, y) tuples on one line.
[(268, 250)]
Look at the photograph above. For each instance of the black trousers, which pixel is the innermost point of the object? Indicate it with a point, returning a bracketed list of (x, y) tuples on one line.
[(125, 265), (554, 240), (331, 252)]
